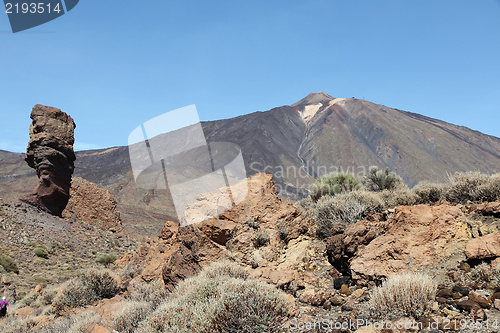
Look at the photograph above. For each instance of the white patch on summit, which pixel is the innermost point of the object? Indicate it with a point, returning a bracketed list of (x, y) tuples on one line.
[(309, 111)]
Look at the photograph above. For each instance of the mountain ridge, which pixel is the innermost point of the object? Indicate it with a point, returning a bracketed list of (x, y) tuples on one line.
[(337, 134)]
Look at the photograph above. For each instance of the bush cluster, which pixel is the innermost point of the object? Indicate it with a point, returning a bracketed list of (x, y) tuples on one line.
[(407, 295), (334, 183), (41, 252), (337, 197), (379, 180), (87, 287), (8, 264), (219, 299)]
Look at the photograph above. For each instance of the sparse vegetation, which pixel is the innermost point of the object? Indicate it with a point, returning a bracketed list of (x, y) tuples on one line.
[(282, 231), (41, 252), (106, 258), (152, 293), (406, 295), (466, 186), (381, 179), (428, 192), (399, 196), (334, 183), (8, 264), (347, 207), (483, 275), (261, 238), (253, 223), (223, 303), (88, 286), (131, 315)]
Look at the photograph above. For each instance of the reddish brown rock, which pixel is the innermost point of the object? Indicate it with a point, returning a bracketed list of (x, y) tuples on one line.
[(181, 251), (483, 247), (50, 153), (415, 237), (93, 205), (480, 298)]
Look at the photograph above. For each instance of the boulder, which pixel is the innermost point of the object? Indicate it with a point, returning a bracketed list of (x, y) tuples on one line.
[(481, 298), (483, 247), (93, 205), (415, 237), (50, 153)]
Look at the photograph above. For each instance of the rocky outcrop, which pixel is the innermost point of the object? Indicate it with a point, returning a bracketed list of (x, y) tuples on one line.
[(412, 238), (485, 247), (50, 153), (180, 252), (93, 205)]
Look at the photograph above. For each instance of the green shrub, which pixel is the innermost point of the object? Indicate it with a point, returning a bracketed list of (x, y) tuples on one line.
[(379, 180), (261, 238), (41, 252), (465, 186), (87, 287), (8, 264), (130, 316), (427, 192), (407, 295), (106, 258), (334, 183), (221, 304)]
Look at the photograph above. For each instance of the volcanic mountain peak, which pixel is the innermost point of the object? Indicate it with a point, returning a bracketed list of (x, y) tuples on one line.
[(311, 104), (314, 98)]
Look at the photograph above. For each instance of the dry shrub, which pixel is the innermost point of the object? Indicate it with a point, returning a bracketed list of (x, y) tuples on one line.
[(130, 316), (484, 275), (428, 192), (221, 303), (261, 238), (348, 207), (152, 293), (87, 287), (465, 186), (306, 206), (224, 268), (406, 295), (401, 196), (18, 325), (489, 191)]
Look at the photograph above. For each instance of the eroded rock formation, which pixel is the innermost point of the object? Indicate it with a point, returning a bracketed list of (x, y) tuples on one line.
[(50, 153), (92, 205)]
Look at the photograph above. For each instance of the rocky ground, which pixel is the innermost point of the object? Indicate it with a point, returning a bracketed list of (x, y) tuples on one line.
[(326, 281), (71, 246)]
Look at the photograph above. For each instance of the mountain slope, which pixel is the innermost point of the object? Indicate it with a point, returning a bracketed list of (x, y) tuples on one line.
[(296, 144)]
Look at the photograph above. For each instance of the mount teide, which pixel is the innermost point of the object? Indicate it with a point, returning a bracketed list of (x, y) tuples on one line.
[(296, 143)]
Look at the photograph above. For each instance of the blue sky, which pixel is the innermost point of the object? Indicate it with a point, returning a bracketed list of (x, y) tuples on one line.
[(114, 64)]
